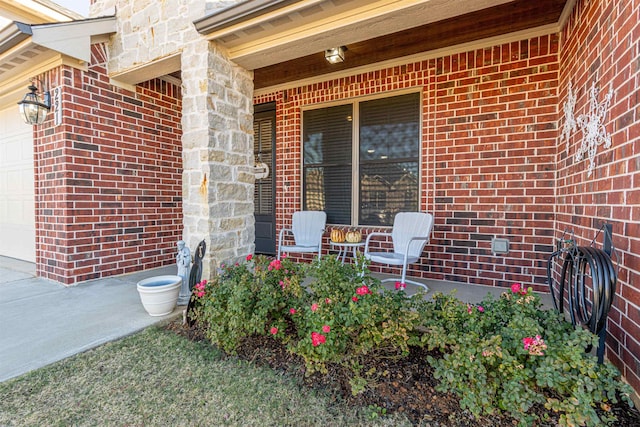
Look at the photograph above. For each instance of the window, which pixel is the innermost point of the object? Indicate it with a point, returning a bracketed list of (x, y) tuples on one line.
[(367, 176)]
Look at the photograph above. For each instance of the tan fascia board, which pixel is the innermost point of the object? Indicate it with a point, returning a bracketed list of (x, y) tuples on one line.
[(566, 12), (53, 7), (13, 35), (243, 13), (36, 12), (432, 54), (73, 38)]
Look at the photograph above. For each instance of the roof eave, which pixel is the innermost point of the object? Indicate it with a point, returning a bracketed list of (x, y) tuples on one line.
[(238, 13), (14, 34), (73, 38)]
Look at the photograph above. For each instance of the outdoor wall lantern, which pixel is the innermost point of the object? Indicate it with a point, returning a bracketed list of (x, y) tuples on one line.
[(32, 109), (335, 54)]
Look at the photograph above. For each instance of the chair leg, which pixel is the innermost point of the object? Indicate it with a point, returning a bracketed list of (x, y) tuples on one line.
[(404, 280), (411, 282)]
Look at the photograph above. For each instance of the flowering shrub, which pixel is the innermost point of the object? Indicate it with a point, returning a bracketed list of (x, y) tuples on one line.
[(248, 298), (349, 314), (500, 355), (508, 355)]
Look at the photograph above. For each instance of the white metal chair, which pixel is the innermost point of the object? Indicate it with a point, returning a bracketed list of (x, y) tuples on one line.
[(307, 228), (411, 232)]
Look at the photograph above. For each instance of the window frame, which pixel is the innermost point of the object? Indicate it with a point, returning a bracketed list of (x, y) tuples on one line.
[(355, 146)]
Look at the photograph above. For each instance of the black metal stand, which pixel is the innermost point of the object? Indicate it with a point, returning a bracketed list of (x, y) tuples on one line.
[(580, 263)]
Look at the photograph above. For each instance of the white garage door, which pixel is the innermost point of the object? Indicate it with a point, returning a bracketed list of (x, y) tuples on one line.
[(17, 214)]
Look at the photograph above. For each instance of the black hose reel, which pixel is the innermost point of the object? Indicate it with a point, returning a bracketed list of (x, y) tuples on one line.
[(589, 277)]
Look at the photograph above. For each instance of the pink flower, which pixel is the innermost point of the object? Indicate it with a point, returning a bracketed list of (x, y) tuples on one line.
[(481, 309), (326, 329), (317, 339), (400, 286), (535, 346), (517, 288), (274, 330), (327, 300), (469, 308), (527, 342), (314, 307), (292, 311), (275, 265), (199, 288), (363, 290), (354, 299), (282, 284), (249, 257)]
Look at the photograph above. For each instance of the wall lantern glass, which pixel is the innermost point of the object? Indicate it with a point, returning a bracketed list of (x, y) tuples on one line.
[(335, 54), (32, 109)]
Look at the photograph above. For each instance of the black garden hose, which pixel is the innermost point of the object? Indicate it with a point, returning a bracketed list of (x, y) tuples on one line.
[(580, 264), (588, 305)]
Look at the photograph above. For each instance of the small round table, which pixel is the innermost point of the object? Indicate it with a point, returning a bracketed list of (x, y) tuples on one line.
[(343, 248)]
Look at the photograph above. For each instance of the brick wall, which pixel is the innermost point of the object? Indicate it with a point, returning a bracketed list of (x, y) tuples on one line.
[(488, 155), (495, 127), (108, 179), (601, 45)]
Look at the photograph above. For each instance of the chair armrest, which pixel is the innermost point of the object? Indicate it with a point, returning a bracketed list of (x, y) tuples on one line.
[(281, 235), (406, 251), (369, 237)]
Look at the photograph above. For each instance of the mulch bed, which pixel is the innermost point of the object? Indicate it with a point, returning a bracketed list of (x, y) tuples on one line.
[(404, 385)]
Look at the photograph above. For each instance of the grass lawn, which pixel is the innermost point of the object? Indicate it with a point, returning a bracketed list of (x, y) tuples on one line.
[(159, 378)]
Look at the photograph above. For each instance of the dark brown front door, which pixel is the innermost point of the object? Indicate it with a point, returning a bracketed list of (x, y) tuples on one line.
[(264, 129)]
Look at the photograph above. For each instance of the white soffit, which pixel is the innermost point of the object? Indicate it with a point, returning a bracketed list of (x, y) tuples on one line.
[(300, 28), (74, 38), (158, 68)]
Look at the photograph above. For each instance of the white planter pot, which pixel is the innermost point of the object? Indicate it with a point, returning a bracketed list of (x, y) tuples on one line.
[(159, 295)]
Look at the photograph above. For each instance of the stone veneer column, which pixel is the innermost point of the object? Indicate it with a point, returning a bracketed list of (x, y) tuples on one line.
[(218, 178)]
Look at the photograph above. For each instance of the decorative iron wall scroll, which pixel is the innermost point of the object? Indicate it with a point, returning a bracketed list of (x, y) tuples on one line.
[(594, 133)]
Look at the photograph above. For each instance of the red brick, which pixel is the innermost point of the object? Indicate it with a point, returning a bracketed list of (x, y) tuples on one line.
[(92, 182)]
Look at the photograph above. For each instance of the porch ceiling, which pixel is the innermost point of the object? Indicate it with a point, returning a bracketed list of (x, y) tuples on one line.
[(284, 40)]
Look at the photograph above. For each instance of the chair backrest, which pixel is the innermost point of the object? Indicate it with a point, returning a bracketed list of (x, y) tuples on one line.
[(411, 224), (308, 227)]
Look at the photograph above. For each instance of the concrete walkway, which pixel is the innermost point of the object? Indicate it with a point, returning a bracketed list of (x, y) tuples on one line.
[(42, 322)]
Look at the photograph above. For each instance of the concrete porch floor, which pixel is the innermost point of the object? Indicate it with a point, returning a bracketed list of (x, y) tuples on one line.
[(42, 322), (467, 293)]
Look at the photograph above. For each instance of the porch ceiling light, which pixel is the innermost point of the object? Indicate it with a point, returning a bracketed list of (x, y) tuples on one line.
[(335, 54), (32, 109)]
